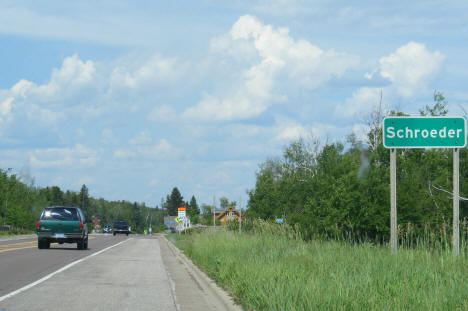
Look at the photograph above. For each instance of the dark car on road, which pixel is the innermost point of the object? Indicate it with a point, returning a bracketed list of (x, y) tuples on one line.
[(107, 229), (121, 227), (62, 224)]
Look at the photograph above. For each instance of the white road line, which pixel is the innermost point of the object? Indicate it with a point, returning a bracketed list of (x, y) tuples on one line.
[(24, 288)]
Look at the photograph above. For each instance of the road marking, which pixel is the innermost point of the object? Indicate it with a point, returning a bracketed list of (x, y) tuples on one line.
[(24, 288), (15, 249), (18, 246)]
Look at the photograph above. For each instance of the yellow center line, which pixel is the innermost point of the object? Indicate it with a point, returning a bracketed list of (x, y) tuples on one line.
[(18, 243), (13, 248)]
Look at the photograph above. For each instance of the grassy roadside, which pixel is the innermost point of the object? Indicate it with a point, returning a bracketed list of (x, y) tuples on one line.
[(267, 271), (15, 232)]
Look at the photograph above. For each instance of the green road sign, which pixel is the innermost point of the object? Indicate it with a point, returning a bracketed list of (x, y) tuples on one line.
[(424, 132)]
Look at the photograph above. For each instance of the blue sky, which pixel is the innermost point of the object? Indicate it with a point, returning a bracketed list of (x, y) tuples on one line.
[(133, 98)]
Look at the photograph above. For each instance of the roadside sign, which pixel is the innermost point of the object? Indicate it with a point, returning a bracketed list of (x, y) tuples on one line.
[(181, 212), (424, 132)]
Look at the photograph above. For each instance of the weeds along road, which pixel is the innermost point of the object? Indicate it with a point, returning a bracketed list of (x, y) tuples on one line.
[(115, 273)]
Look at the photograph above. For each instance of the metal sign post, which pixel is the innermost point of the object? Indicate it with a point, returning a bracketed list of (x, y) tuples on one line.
[(456, 203), (393, 207), (424, 132)]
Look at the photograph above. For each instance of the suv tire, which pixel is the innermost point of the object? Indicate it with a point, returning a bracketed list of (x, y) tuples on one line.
[(42, 244)]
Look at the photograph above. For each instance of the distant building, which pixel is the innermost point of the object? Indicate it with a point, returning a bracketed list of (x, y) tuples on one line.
[(228, 214)]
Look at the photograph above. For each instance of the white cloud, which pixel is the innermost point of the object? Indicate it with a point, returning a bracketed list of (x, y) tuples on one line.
[(279, 55), (155, 71), (46, 104), (124, 154), (163, 113), (362, 101), (290, 132), (284, 7), (144, 150), (410, 68), (302, 61), (361, 130), (5, 109), (212, 108), (107, 137), (79, 155), (74, 77), (142, 138), (56, 163), (163, 149)]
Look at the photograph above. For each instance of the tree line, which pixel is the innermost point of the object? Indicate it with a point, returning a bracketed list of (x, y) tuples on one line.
[(21, 205), (341, 189)]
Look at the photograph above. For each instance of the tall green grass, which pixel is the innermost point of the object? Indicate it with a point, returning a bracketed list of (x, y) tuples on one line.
[(272, 268)]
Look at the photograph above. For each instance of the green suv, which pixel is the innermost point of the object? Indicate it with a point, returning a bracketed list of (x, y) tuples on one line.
[(62, 224)]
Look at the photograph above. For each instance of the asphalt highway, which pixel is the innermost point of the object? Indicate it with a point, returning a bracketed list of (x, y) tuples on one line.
[(115, 273), (21, 262)]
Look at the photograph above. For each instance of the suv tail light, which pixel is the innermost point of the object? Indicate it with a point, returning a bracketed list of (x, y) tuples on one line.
[(81, 225), (38, 224)]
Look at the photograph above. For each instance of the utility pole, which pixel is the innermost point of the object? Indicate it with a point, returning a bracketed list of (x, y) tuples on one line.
[(214, 212), (151, 229), (240, 215)]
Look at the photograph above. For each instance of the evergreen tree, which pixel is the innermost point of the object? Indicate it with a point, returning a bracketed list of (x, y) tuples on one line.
[(84, 201), (136, 215), (194, 205), (193, 210), (56, 196), (174, 201), (223, 202)]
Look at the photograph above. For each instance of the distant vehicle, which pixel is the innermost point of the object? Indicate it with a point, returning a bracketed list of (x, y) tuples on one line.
[(121, 227), (107, 229), (62, 224)]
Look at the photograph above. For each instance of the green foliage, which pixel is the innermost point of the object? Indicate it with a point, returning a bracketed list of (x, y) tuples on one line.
[(193, 210), (271, 270), (334, 189), (21, 205), (173, 201), (438, 109), (224, 203)]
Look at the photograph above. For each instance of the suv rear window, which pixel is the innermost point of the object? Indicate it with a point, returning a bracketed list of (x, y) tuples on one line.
[(120, 224), (60, 213)]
